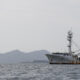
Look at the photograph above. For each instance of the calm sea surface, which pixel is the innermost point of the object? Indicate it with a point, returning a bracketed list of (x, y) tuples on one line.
[(39, 71)]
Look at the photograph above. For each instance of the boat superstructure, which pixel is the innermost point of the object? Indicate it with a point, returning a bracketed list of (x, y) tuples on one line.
[(64, 58)]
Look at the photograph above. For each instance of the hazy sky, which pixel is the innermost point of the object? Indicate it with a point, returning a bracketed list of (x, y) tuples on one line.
[(30, 25)]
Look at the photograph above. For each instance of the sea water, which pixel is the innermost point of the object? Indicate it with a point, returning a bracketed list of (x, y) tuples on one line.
[(39, 71)]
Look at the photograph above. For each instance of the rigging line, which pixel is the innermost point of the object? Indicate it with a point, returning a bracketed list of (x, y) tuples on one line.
[(77, 50), (77, 47)]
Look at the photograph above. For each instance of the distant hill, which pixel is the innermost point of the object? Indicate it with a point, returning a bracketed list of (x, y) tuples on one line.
[(17, 56)]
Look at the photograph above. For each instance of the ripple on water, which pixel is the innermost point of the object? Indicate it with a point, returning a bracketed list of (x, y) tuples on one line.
[(39, 71)]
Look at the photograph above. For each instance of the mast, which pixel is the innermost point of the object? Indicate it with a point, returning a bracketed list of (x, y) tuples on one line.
[(70, 42)]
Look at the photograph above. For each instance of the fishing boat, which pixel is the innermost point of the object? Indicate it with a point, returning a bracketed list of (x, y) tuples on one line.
[(64, 57)]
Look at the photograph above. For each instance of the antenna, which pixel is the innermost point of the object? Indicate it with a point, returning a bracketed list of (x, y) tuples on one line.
[(70, 41)]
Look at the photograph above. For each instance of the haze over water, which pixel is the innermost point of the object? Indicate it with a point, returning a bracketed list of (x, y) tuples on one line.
[(39, 71)]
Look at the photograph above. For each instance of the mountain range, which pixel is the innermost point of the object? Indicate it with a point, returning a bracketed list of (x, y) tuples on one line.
[(17, 56)]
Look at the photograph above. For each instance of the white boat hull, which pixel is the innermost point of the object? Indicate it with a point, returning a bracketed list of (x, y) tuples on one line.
[(60, 59)]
